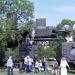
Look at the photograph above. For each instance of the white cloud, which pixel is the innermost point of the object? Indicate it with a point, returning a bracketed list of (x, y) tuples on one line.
[(64, 9)]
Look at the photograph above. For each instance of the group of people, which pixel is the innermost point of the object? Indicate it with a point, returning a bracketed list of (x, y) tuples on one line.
[(26, 64), (29, 64)]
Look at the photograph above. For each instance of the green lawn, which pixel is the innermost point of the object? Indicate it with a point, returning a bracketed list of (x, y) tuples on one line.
[(71, 72), (16, 73)]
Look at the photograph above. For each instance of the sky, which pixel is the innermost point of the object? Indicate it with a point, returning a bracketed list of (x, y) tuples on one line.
[(54, 10)]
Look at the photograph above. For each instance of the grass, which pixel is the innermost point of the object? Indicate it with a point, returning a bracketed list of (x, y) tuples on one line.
[(17, 73), (71, 72), (3, 72)]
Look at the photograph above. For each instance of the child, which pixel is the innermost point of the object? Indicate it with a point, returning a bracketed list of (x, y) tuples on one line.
[(36, 66), (55, 67), (40, 66)]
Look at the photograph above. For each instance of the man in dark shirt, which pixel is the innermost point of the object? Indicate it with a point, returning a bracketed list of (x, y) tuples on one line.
[(22, 64)]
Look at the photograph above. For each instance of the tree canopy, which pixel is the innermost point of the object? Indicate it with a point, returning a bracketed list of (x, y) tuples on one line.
[(65, 22), (15, 15)]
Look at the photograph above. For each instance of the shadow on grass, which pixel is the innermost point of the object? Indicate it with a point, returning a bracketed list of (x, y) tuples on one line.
[(71, 71)]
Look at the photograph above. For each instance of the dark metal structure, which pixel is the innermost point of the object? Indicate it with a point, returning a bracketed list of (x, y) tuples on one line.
[(42, 33), (68, 51), (48, 33)]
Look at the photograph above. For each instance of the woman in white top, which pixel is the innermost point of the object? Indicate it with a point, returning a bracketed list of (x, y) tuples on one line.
[(63, 66)]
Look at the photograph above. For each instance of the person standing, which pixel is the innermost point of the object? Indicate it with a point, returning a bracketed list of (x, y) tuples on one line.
[(36, 66), (55, 67), (25, 62), (63, 66), (45, 65), (22, 68), (40, 65), (10, 66), (28, 62)]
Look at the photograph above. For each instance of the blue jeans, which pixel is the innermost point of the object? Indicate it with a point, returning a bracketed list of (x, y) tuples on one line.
[(29, 68), (10, 70)]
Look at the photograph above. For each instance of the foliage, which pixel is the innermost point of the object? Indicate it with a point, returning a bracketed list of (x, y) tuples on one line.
[(47, 51), (15, 15), (16, 53), (1, 5), (27, 26), (65, 22)]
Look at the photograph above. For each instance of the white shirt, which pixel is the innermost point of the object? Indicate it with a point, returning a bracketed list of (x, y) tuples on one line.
[(30, 60), (40, 64), (36, 64), (25, 60), (63, 64), (9, 62)]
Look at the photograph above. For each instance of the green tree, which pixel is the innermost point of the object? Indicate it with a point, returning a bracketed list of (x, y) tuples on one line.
[(48, 51), (65, 22), (15, 16), (1, 5)]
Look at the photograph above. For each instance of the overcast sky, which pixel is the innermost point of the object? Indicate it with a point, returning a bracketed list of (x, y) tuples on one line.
[(54, 10)]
